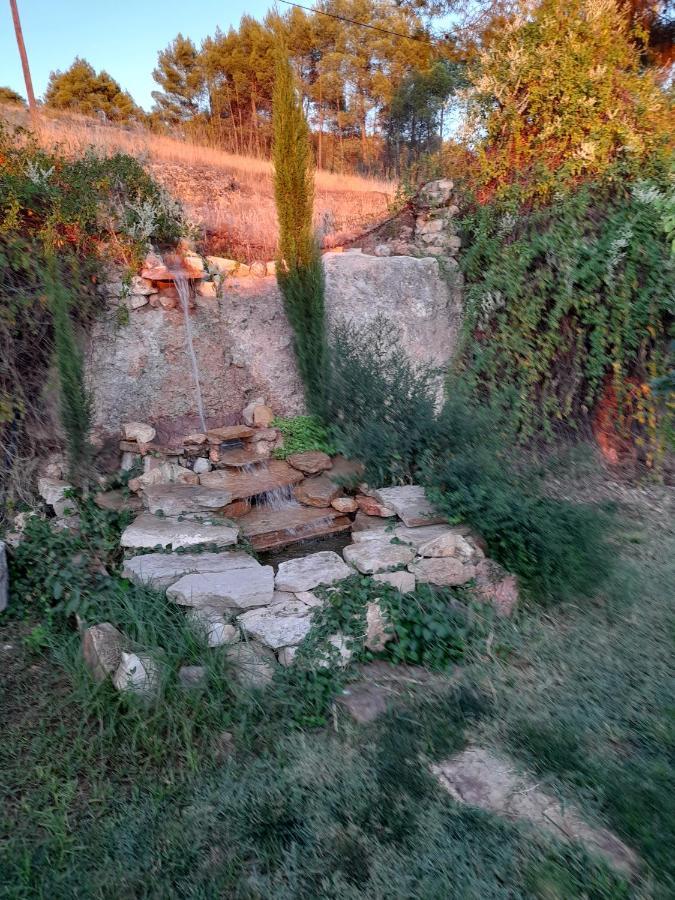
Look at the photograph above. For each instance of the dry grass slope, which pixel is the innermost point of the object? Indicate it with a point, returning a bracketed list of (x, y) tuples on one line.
[(229, 197)]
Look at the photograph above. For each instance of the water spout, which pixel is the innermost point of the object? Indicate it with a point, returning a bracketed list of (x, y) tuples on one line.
[(183, 288)]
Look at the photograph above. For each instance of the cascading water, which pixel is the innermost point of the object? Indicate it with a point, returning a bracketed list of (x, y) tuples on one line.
[(278, 499), (183, 288)]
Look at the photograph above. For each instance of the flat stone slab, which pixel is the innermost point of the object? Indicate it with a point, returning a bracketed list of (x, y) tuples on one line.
[(307, 572), (147, 532), (410, 504), (268, 529), (229, 433), (317, 491), (443, 572), (283, 623), (311, 462), (364, 522), (377, 555), (263, 479), (236, 589), (179, 499), (241, 457), (478, 777), (160, 570)]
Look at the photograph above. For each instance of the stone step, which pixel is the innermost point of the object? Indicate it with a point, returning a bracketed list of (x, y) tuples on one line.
[(271, 529), (180, 499), (147, 532), (161, 570), (274, 475), (241, 457)]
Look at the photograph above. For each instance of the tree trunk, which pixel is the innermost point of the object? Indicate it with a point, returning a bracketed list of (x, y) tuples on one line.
[(30, 96)]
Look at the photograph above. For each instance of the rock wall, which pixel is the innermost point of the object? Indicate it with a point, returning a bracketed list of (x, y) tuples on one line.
[(138, 366)]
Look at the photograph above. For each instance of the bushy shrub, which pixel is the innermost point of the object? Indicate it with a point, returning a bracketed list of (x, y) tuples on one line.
[(302, 433), (568, 298)]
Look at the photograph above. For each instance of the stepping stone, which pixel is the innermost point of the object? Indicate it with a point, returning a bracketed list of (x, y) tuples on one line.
[(317, 491), (241, 457), (253, 664), (478, 777), (377, 555), (147, 532), (311, 462), (282, 624), (444, 572), (307, 572), (270, 529), (410, 504), (236, 589), (272, 476), (159, 570), (189, 499)]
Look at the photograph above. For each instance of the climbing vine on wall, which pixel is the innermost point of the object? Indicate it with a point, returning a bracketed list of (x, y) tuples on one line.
[(571, 300)]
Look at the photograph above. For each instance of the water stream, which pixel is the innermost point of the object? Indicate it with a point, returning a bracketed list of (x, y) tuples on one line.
[(183, 288)]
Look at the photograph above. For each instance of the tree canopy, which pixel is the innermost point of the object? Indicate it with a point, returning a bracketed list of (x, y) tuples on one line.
[(82, 89), (7, 95)]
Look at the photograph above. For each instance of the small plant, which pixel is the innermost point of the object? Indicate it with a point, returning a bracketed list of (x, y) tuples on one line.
[(302, 433)]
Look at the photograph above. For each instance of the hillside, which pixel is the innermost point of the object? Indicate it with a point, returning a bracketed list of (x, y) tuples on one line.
[(228, 197)]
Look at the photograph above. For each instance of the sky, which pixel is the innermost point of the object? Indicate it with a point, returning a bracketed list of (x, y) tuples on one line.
[(121, 36)]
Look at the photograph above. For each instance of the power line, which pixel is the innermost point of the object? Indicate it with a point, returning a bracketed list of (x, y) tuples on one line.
[(321, 12)]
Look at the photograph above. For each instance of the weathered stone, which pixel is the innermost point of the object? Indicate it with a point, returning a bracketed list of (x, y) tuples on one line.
[(268, 528), (311, 462), (102, 649), (364, 522), (443, 572), (478, 777), (201, 466), (371, 507), (270, 267), (410, 504), (253, 664), (135, 301), (344, 504), (496, 586), (309, 599), (207, 290), (212, 628), (241, 457), (229, 433), (436, 193), (249, 409), (196, 438), (164, 473), (273, 475), (263, 416), (266, 435), (243, 271), (221, 265), (139, 432), (377, 554), (138, 674), (129, 461), (402, 581), (52, 490), (148, 532), (283, 623), (258, 269), (317, 491), (160, 570), (378, 631), (141, 286), (192, 677), (286, 655), (117, 501), (237, 509), (452, 542), (179, 499), (237, 589), (307, 572)]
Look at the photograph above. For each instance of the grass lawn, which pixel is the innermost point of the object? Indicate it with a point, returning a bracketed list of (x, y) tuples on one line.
[(240, 797)]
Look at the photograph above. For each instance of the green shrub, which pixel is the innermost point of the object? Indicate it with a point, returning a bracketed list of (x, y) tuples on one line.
[(302, 433), (567, 298)]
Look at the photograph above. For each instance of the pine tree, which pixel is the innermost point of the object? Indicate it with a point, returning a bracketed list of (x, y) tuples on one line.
[(82, 89), (299, 268)]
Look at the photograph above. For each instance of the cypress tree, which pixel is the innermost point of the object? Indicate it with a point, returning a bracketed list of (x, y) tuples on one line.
[(299, 268)]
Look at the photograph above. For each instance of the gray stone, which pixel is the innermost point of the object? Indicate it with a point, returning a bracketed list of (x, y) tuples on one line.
[(238, 589), (201, 466), (135, 301), (178, 499), (402, 581), (282, 624), (4, 577), (141, 286), (192, 677), (443, 572), (138, 431), (147, 532), (410, 504), (378, 631), (307, 572), (102, 649), (212, 628), (160, 570), (164, 473), (311, 462), (253, 664), (478, 777), (377, 555), (52, 490), (137, 673), (286, 655)]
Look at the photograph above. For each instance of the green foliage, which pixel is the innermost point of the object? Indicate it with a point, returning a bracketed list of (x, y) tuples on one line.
[(180, 74), (302, 433), (75, 402), (7, 95), (299, 267), (381, 405), (565, 297), (86, 91)]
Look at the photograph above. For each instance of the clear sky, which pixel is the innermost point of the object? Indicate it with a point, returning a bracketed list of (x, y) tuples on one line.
[(121, 36)]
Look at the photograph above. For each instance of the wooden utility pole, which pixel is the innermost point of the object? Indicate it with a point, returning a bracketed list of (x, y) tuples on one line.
[(32, 105)]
